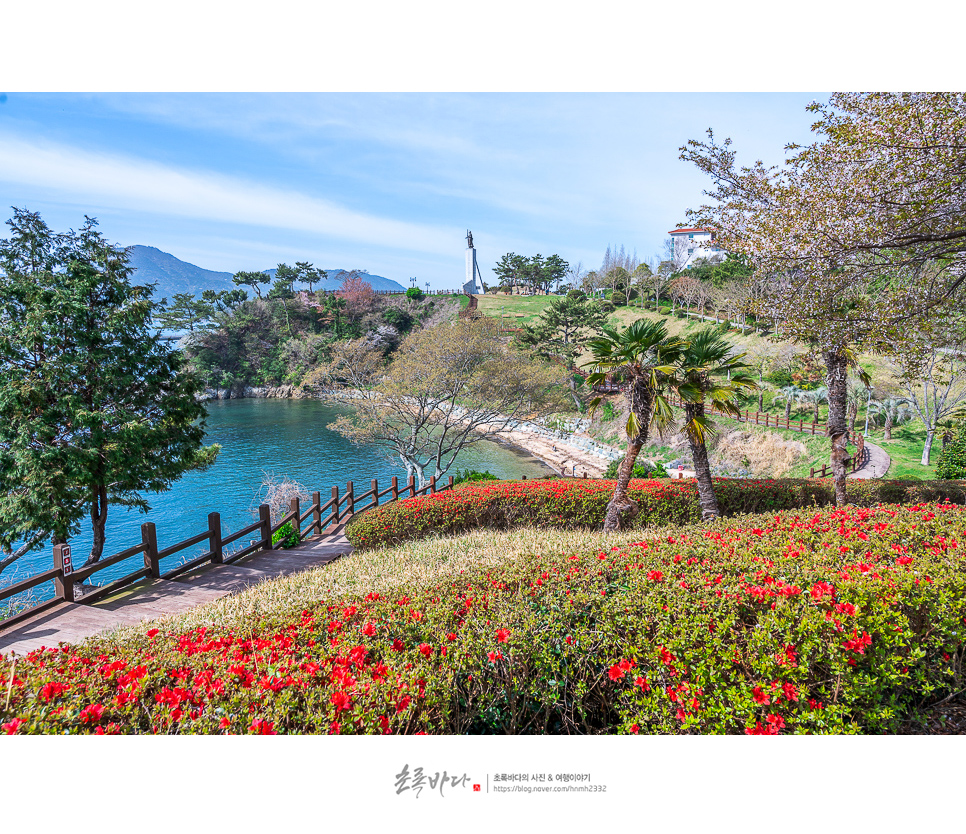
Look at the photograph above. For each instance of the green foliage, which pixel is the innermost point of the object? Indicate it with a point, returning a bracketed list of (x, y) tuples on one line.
[(781, 379), (464, 476), (664, 311), (285, 536), (399, 318), (952, 460), (641, 470), (415, 294), (582, 503), (618, 298), (563, 328), (782, 623), (537, 273), (607, 412), (576, 295), (95, 408)]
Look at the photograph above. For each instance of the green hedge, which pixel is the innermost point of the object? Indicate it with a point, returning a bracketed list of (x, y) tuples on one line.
[(580, 503), (828, 621)]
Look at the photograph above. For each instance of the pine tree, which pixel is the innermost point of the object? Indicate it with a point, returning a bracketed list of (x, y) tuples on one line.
[(95, 409)]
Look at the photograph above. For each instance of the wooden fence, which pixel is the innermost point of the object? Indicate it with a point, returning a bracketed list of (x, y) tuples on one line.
[(328, 518), (760, 418)]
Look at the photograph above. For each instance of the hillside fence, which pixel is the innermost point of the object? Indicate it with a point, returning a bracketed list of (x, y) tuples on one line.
[(66, 578)]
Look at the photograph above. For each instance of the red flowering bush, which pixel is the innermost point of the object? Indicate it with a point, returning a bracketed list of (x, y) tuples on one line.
[(572, 503), (841, 621)]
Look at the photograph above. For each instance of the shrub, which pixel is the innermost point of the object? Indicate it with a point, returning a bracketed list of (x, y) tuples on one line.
[(832, 621), (640, 470), (399, 318), (617, 298), (952, 460), (607, 307), (285, 536), (578, 295), (469, 475), (607, 411), (664, 311), (572, 504), (782, 379), (415, 294)]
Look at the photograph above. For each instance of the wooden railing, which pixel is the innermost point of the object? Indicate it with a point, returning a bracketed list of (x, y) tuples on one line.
[(325, 518), (760, 418)]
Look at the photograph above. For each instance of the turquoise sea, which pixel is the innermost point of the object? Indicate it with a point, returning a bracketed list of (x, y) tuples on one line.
[(258, 437)]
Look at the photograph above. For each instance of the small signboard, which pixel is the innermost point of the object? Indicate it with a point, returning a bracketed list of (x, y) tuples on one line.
[(68, 564)]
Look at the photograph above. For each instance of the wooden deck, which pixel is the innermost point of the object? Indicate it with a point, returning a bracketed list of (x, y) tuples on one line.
[(70, 622)]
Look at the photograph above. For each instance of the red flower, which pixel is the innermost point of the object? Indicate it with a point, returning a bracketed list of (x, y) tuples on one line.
[(224, 724), (655, 575), (92, 713), (776, 721), (152, 632), (425, 649), (635, 729), (820, 589), (791, 693), (11, 727), (643, 684), (369, 629), (397, 645), (451, 636), (502, 635), (341, 701), (402, 703), (759, 696), (615, 672), (260, 727)]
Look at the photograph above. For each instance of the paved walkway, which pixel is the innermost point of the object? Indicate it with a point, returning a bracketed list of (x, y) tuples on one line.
[(71, 622), (876, 465)]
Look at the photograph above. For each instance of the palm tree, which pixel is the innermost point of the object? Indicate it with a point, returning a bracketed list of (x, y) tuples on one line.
[(816, 397), (645, 356), (893, 411), (708, 373), (790, 394)]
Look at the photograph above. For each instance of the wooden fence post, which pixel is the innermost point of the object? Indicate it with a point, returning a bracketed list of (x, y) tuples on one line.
[(450, 482), (432, 485), (335, 506), (293, 507), (412, 486), (813, 427), (317, 513), (265, 519), (375, 492), (149, 538), (63, 585), (350, 497), (214, 538), (395, 488)]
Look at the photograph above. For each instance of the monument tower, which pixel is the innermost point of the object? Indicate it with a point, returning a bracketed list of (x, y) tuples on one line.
[(472, 270)]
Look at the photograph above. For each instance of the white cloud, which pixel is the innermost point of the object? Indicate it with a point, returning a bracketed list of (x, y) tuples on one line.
[(141, 185)]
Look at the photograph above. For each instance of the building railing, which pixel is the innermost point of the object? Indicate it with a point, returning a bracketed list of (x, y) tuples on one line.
[(325, 518)]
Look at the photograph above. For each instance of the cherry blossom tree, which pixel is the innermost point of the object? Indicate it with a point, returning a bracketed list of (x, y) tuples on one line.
[(859, 235)]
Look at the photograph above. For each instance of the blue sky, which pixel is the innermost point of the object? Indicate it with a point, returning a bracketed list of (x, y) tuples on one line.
[(383, 182)]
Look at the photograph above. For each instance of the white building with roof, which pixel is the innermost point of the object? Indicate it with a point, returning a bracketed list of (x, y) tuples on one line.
[(693, 243)]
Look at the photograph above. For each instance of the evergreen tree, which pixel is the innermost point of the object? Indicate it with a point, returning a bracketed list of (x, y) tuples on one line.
[(95, 409)]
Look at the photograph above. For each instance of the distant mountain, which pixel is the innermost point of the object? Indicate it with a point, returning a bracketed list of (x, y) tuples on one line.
[(174, 276), (152, 266)]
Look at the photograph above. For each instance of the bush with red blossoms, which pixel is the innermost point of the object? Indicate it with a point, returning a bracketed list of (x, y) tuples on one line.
[(582, 503), (820, 621)]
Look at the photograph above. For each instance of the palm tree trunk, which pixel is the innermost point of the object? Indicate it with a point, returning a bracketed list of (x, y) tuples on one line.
[(788, 409), (836, 377), (888, 426), (621, 509), (702, 467)]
